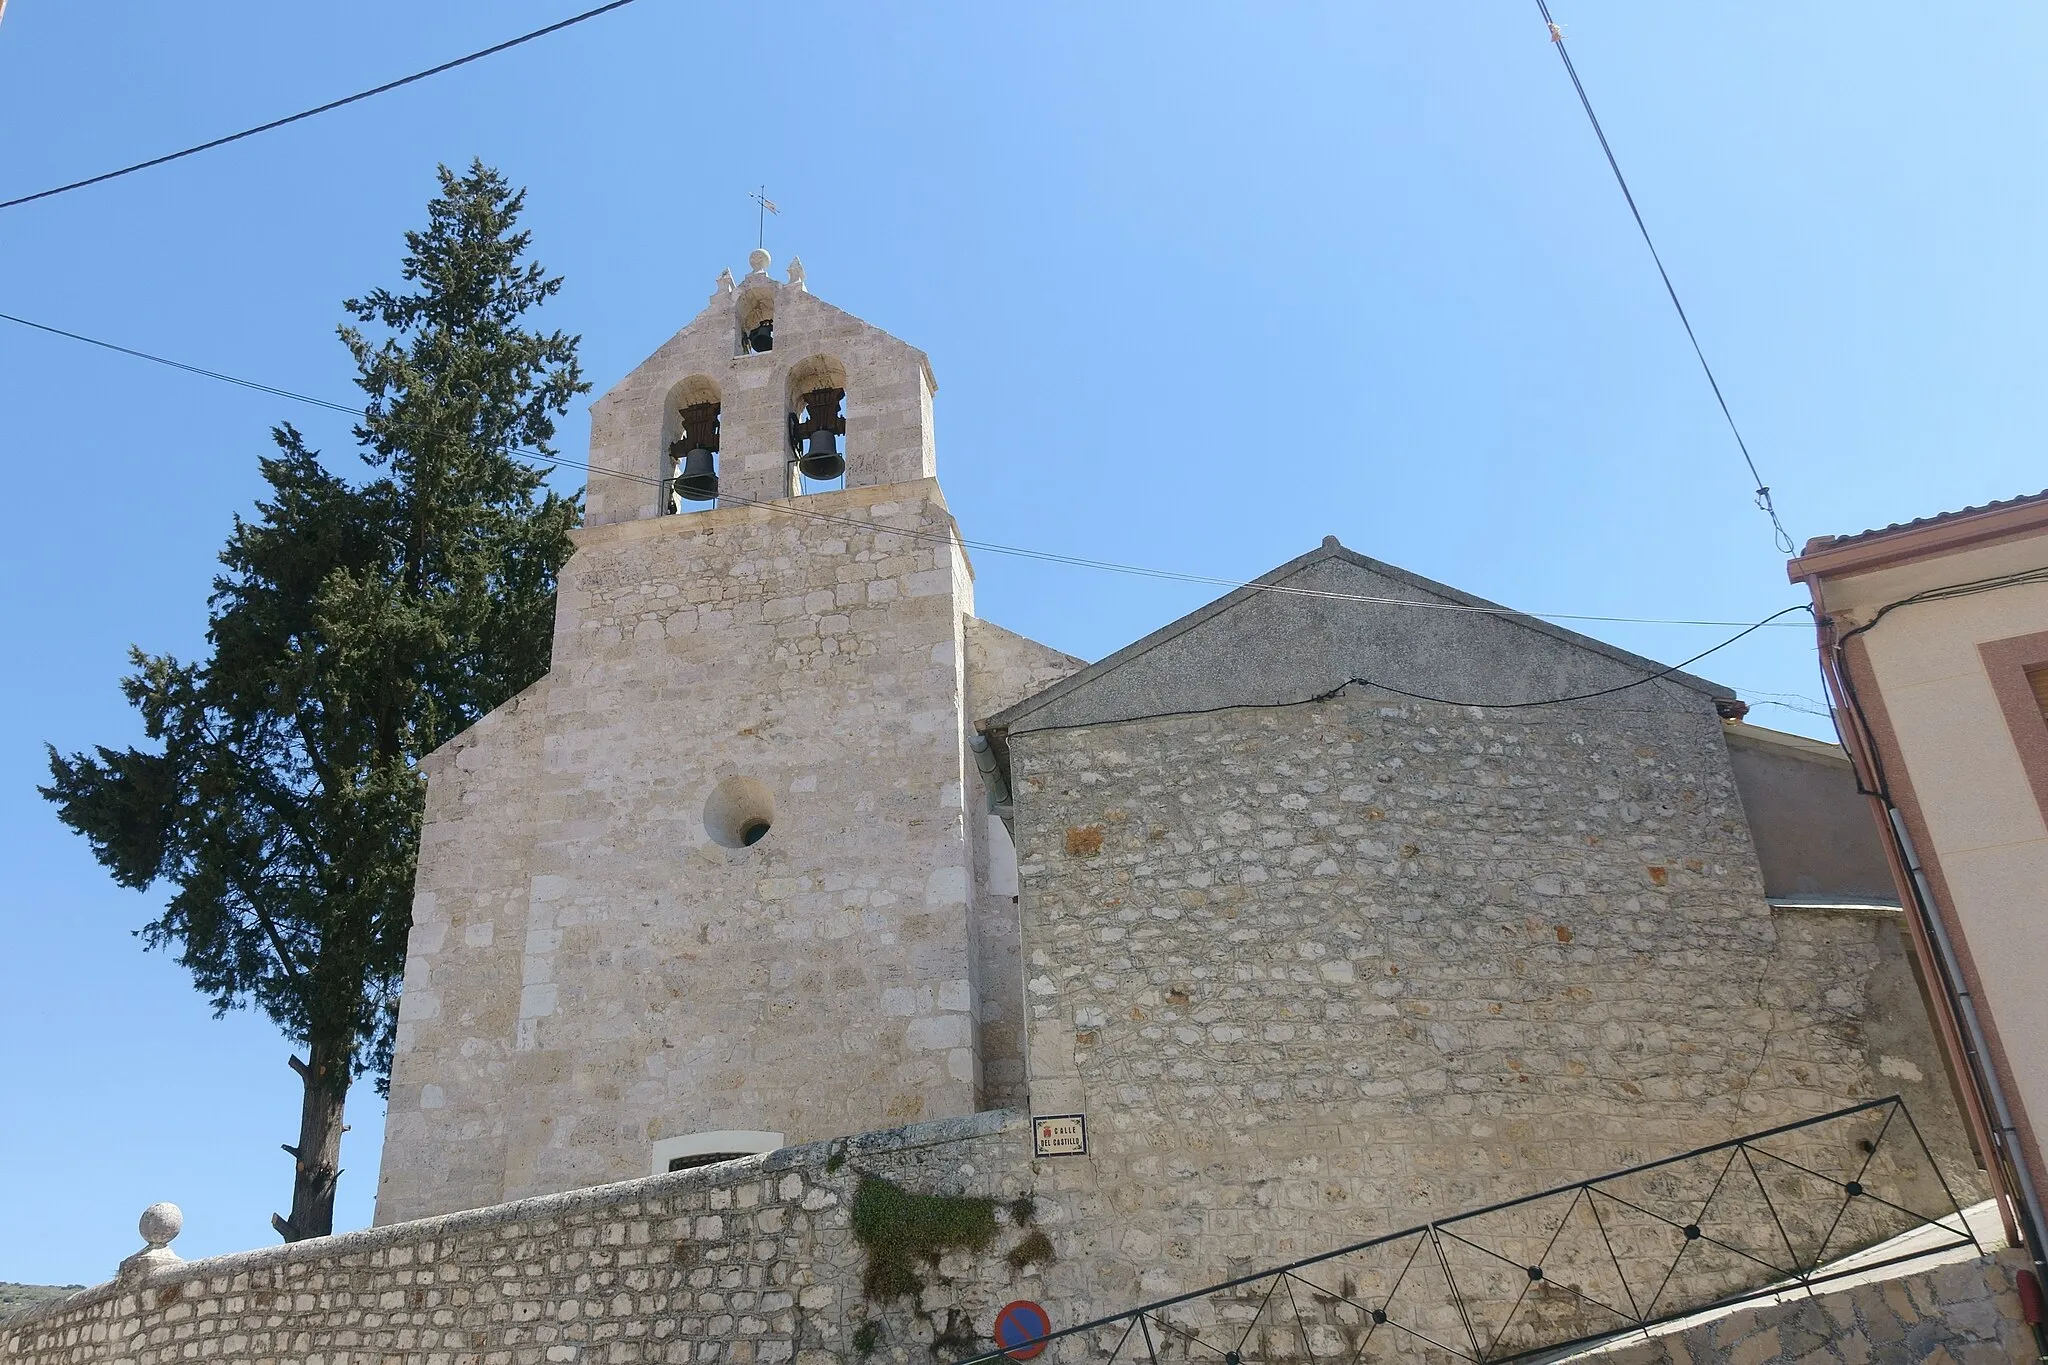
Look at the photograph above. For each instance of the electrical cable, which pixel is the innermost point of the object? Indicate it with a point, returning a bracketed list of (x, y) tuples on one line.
[(1790, 701), (1178, 576), (954, 538), (1763, 492), (1838, 646), (318, 109), (181, 365), (1603, 692)]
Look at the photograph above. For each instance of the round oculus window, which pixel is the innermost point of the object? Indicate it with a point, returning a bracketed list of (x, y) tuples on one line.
[(739, 813)]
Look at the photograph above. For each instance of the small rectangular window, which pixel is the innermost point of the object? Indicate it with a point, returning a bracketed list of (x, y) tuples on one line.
[(692, 1162), (2018, 672), (691, 1150)]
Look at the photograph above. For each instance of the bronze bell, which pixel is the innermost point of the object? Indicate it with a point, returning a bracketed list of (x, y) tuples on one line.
[(821, 425), (762, 337), (822, 460), (697, 481)]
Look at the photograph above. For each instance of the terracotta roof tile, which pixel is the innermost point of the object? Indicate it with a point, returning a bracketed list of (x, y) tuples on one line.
[(1831, 542)]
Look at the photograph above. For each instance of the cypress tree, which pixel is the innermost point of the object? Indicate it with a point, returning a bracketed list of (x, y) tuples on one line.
[(355, 627)]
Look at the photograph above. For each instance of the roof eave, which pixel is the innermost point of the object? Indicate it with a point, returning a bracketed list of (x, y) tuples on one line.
[(1939, 535)]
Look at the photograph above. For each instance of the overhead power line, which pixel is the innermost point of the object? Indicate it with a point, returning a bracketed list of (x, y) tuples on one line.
[(989, 547), (1790, 701), (1176, 575), (180, 365), (1602, 692), (1763, 492), (318, 109)]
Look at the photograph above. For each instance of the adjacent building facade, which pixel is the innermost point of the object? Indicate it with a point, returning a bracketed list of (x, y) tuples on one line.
[(1934, 638)]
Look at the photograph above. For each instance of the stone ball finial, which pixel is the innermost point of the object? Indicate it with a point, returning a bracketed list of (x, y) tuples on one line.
[(757, 259), (160, 1224)]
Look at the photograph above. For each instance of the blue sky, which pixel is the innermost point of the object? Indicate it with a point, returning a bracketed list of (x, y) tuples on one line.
[(1201, 283)]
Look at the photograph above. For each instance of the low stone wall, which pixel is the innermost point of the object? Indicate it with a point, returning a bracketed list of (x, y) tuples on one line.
[(773, 1260), (1967, 1313), (752, 1263)]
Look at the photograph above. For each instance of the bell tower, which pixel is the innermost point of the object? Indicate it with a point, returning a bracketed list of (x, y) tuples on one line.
[(783, 392), (709, 886)]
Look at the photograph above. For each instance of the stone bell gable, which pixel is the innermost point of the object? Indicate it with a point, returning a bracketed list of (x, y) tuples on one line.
[(721, 881), (718, 359)]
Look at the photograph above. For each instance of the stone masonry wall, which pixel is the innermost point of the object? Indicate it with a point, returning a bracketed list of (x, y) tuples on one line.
[(590, 972), (1963, 1314), (1003, 668), (756, 1262), (751, 1263), (1319, 971)]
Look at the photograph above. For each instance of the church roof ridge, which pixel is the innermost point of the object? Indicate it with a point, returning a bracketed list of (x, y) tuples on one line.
[(1524, 619), (1332, 549)]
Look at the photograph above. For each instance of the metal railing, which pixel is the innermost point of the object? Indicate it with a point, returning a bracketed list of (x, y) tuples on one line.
[(1713, 1227)]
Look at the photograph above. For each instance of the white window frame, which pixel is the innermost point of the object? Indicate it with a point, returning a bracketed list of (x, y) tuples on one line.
[(745, 1142)]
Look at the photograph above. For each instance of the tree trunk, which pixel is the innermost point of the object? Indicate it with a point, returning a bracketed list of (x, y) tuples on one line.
[(317, 1158)]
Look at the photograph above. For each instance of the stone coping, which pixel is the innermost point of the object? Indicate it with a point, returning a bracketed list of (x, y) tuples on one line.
[(935, 1133)]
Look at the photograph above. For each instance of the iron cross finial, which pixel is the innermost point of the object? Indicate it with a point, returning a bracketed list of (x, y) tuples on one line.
[(760, 196)]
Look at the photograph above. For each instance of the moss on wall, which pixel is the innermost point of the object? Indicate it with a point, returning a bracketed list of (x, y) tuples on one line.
[(1035, 1249), (898, 1230)]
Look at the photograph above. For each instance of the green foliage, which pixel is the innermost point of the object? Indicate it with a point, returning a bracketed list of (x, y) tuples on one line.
[(866, 1338), (834, 1162), (1023, 1210), (899, 1229), (1035, 1249), (354, 629)]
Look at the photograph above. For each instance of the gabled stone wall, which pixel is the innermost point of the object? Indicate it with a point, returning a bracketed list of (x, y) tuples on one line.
[(1318, 971)]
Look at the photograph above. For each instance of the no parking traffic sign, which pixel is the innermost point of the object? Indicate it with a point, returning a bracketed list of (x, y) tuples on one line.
[(1021, 1328)]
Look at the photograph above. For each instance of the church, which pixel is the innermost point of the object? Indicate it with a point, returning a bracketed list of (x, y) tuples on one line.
[(1344, 901)]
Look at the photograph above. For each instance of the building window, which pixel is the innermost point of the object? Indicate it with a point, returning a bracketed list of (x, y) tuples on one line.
[(691, 1163), (739, 812), (708, 1149), (2018, 669)]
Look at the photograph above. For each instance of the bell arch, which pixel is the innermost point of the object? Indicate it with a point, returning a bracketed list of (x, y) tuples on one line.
[(756, 311), (816, 404), (689, 443)]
